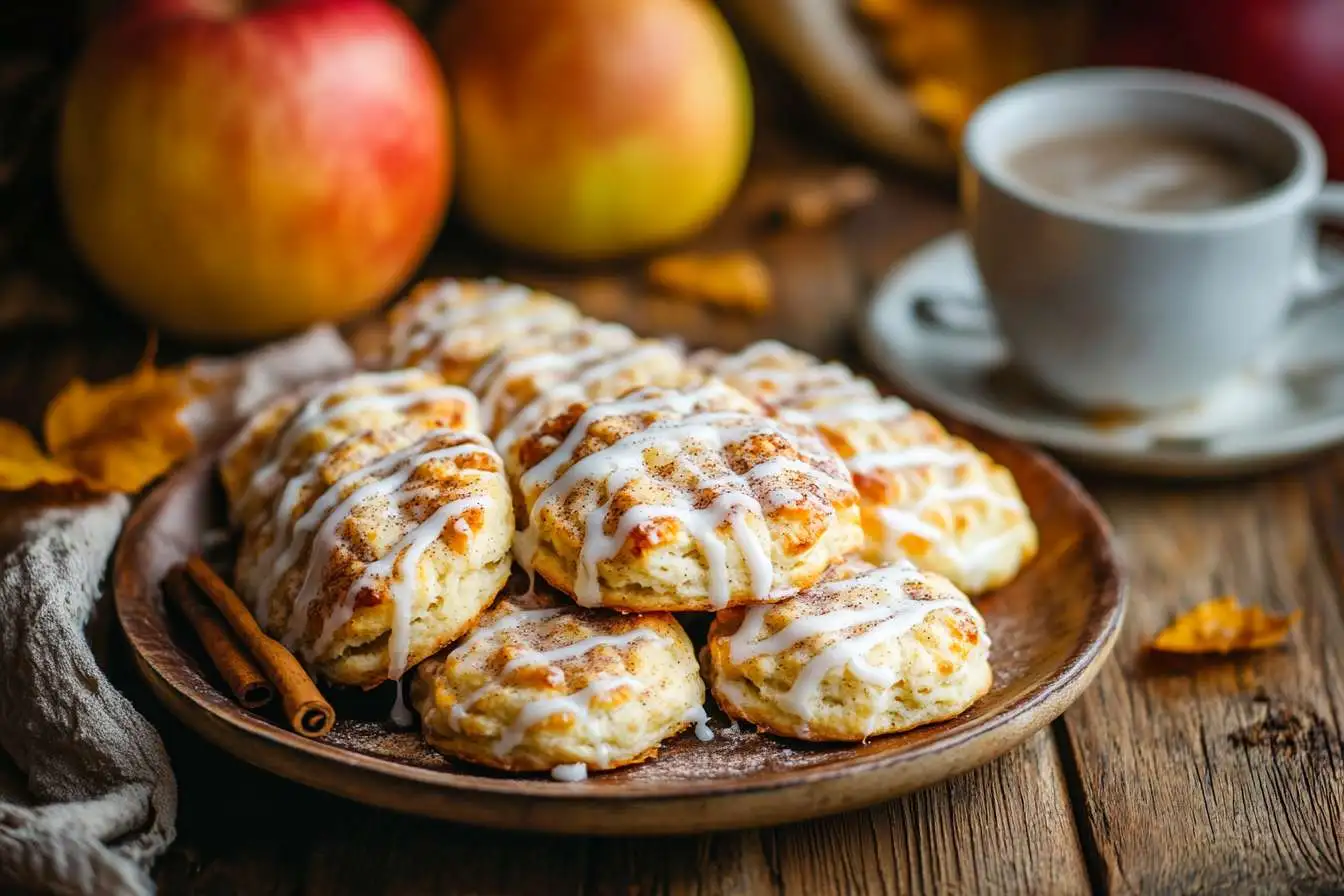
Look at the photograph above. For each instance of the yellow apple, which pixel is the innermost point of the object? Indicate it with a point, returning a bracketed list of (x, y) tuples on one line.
[(593, 128)]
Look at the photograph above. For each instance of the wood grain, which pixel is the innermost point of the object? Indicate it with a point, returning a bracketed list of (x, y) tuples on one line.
[(1221, 774)]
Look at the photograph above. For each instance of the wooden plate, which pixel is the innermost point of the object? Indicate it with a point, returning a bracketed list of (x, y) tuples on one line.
[(1051, 628)]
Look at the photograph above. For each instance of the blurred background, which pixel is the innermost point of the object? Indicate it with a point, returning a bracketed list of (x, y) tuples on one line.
[(228, 171)]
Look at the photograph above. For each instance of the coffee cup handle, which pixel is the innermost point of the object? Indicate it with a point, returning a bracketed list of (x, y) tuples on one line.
[(953, 314), (1316, 285)]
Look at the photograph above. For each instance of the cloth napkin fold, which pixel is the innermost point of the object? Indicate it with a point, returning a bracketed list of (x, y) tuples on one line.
[(99, 801)]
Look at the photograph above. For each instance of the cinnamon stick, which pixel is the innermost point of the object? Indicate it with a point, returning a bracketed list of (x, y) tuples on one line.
[(245, 680), (307, 710)]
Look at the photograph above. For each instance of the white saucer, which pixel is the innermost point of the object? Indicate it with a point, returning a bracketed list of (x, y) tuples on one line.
[(1291, 404)]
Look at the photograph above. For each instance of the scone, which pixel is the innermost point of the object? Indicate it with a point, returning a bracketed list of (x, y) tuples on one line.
[(544, 685), (683, 501), (289, 433), (926, 495), (381, 551), (451, 326), (884, 650), (530, 379)]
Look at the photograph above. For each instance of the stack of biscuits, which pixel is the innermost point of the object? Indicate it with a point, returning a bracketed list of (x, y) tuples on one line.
[(833, 534)]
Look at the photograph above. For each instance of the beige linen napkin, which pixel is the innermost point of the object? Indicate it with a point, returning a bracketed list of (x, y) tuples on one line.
[(97, 802)]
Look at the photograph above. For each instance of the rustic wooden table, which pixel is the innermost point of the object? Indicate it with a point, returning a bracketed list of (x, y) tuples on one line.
[(1216, 775)]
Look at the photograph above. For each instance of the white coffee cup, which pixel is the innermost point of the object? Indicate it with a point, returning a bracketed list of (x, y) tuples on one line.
[(1142, 310)]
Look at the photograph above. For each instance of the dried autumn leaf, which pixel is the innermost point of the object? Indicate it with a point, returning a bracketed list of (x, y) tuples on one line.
[(124, 433), (943, 103), (1222, 625), (823, 200), (113, 436), (738, 280), (23, 464)]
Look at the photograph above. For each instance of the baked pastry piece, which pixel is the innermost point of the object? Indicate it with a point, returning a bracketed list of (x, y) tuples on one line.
[(288, 434), (535, 377), (541, 684), (864, 653), (451, 326), (668, 500), (926, 495), (380, 550)]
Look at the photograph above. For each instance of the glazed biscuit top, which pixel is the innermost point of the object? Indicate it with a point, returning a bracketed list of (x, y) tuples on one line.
[(454, 324), (780, 376), (656, 465), (534, 658), (351, 530), (836, 623), (297, 431), (540, 374), (927, 494)]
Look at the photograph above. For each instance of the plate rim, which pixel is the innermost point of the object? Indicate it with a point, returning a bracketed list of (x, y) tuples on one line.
[(1307, 438), (532, 803)]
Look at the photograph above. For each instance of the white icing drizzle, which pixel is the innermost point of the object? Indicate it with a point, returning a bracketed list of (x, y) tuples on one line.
[(831, 394), (584, 385), (577, 705), (320, 528), (447, 320), (700, 718), (321, 411), (571, 772), (540, 658), (894, 614), (398, 567), (623, 461), (777, 374), (542, 353), (401, 714)]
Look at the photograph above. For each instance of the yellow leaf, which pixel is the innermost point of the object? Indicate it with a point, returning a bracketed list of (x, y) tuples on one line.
[(1222, 625), (124, 433), (24, 465)]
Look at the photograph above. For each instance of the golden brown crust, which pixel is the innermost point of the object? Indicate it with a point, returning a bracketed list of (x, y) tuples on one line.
[(374, 531), (541, 683), (865, 653), (286, 435), (451, 326), (666, 500), (925, 495)]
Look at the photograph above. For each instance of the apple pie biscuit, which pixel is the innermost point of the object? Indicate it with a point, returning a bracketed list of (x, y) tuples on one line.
[(925, 494), (870, 652), (670, 500), (376, 536), (541, 685)]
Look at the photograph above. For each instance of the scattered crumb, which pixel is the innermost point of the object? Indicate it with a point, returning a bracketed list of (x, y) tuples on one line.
[(736, 280)]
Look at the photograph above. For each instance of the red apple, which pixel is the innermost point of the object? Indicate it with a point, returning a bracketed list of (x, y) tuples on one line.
[(1292, 50), (593, 128), (235, 169)]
